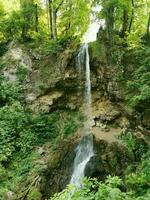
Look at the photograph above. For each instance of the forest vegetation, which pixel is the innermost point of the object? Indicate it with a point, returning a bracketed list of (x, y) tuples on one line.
[(49, 28)]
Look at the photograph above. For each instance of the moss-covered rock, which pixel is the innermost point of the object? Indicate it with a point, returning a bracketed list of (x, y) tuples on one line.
[(60, 166), (111, 158)]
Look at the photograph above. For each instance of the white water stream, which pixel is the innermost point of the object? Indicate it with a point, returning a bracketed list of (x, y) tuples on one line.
[(84, 150)]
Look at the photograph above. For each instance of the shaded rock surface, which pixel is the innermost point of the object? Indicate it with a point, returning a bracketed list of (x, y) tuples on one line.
[(60, 166), (111, 158)]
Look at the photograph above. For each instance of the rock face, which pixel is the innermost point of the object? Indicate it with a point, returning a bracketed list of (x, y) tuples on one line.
[(111, 158), (105, 111), (60, 166), (52, 82), (15, 58)]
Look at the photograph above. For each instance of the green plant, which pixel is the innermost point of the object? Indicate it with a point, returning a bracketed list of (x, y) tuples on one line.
[(135, 145), (9, 91), (138, 181), (128, 140), (138, 86), (94, 190), (34, 194), (111, 189), (21, 132), (51, 47), (21, 73)]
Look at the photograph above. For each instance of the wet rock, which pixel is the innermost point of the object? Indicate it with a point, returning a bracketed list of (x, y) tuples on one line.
[(60, 166), (111, 158)]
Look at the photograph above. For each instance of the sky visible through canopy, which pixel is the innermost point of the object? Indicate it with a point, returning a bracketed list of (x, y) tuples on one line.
[(91, 34)]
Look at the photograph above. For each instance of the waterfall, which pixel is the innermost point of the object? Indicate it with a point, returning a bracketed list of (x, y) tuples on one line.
[(84, 150)]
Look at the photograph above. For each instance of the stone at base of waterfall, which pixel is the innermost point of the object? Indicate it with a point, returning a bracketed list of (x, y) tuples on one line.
[(105, 111)]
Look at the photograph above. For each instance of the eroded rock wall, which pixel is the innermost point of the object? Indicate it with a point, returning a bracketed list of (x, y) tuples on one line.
[(51, 83)]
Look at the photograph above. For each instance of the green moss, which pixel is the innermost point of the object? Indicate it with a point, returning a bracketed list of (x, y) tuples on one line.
[(34, 194), (21, 73), (97, 51)]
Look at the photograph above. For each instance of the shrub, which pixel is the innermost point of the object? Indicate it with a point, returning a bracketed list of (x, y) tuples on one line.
[(138, 86)]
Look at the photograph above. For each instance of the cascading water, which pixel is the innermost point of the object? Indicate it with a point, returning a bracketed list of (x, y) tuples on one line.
[(84, 150)]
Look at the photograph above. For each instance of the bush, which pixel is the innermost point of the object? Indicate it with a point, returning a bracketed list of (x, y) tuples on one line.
[(138, 86), (21, 132), (9, 91), (34, 194), (138, 181), (108, 190), (135, 145), (50, 46), (94, 190)]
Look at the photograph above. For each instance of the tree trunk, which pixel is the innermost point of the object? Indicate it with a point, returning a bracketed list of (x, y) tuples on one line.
[(148, 26), (24, 31), (28, 13), (23, 34), (36, 19), (54, 19), (50, 18), (110, 24), (125, 23), (132, 16)]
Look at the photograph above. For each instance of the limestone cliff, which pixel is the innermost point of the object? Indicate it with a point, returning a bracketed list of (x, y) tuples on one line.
[(52, 82)]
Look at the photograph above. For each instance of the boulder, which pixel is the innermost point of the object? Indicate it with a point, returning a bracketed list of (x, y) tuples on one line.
[(105, 111)]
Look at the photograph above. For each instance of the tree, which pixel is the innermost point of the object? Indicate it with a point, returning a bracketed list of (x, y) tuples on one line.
[(148, 13), (119, 17), (74, 18), (36, 18), (65, 18), (132, 15), (116, 15), (148, 26), (125, 22), (27, 12), (50, 21), (53, 9), (2, 15)]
